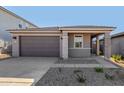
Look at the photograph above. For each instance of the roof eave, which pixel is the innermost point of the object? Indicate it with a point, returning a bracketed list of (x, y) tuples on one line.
[(90, 29)]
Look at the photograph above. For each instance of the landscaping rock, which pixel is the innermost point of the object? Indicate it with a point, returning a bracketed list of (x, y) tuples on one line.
[(120, 73), (80, 77), (110, 75)]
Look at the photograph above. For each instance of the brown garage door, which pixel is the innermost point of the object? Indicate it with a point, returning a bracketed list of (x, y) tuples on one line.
[(37, 46)]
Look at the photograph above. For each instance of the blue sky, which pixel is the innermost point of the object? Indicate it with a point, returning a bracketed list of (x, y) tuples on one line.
[(62, 16)]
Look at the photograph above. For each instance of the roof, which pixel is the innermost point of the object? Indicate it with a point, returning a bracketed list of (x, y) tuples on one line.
[(117, 35), (61, 28), (13, 14), (88, 26)]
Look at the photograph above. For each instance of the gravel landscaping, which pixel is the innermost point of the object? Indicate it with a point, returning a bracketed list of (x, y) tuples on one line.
[(77, 61), (82, 77)]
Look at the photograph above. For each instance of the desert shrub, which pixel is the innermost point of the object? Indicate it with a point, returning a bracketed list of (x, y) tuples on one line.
[(117, 57), (122, 58), (99, 69), (109, 76), (80, 78), (60, 70), (114, 57)]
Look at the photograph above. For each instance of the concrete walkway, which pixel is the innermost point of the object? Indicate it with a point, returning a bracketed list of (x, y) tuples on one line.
[(100, 60)]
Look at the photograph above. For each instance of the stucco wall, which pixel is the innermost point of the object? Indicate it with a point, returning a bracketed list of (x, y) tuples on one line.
[(79, 53), (86, 40), (70, 40), (8, 21), (82, 52), (118, 45)]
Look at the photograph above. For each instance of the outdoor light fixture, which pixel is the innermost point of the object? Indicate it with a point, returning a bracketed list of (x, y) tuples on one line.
[(14, 38)]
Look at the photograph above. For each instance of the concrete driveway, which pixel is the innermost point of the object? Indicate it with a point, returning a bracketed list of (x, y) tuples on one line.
[(26, 67)]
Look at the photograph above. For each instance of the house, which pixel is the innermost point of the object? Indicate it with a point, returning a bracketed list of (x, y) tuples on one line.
[(118, 43), (9, 20), (2, 43), (64, 42)]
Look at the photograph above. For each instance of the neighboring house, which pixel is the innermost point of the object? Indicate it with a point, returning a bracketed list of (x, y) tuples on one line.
[(64, 42), (2, 43), (118, 43), (9, 20)]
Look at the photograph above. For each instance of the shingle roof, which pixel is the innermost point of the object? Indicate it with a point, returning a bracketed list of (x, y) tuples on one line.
[(117, 35), (4, 9), (87, 26), (57, 28), (37, 29)]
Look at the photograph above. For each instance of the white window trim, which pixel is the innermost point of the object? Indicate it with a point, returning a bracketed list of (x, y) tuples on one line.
[(75, 41)]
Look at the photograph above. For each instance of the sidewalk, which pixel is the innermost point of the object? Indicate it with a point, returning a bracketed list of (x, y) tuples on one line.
[(100, 63)]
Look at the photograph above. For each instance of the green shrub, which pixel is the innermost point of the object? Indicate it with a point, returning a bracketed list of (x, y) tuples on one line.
[(114, 57), (117, 57), (99, 70)]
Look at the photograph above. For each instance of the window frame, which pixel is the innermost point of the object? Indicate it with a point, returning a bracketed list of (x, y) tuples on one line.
[(81, 35)]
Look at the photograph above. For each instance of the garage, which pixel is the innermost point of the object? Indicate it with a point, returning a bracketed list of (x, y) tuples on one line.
[(39, 46)]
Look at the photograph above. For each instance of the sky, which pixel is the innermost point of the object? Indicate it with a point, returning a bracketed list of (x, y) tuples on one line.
[(72, 15)]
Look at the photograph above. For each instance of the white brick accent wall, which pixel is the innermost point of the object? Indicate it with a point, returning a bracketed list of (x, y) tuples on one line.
[(65, 45), (15, 46)]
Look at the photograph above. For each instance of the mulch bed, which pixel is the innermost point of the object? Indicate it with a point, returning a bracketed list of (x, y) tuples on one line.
[(68, 77)]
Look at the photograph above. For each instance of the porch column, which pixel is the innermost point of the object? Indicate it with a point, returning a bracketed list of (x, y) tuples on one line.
[(107, 45), (15, 46), (65, 45), (97, 45)]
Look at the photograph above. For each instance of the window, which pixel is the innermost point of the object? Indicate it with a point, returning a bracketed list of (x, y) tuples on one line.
[(78, 41), (20, 26)]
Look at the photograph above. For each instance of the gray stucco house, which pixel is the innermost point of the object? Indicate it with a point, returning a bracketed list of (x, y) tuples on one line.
[(10, 20), (118, 43), (64, 42)]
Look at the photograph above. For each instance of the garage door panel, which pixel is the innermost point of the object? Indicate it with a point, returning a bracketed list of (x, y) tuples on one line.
[(47, 46)]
